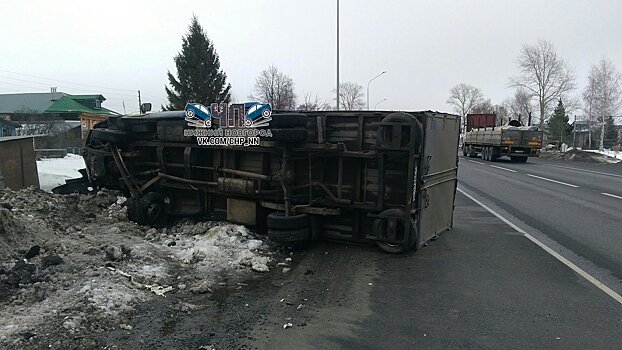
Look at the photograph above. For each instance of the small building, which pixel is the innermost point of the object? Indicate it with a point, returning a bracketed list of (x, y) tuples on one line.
[(18, 167), (580, 134), (86, 108), (7, 127), (52, 113)]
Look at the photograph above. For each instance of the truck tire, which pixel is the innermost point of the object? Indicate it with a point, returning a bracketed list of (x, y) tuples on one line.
[(152, 209), (289, 135), (297, 236), (385, 134), (114, 136), (288, 120), (410, 239), (279, 221), (471, 152), (173, 131), (493, 155), (464, 151)]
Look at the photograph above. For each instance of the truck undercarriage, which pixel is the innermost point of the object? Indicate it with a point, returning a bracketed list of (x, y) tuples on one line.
[(353, 176)]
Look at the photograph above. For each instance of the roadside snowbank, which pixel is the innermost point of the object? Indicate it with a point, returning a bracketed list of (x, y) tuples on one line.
[(74, 265)]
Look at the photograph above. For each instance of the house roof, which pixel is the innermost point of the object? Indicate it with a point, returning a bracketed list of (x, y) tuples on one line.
[(88, 97), (78, 104), (35, 102)]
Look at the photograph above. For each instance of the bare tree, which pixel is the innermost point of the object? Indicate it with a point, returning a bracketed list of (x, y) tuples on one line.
[(520, 106), (589, 100), (483, 107), (544, 74), (351, 96), (313, 104), (603, 93), (464, 97), (274, 87), (487, 107)]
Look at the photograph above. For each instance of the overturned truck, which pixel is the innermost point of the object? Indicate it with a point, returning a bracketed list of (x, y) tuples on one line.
[(386, 177)]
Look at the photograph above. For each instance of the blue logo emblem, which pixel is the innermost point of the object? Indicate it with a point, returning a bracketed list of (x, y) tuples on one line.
[(257, 115), (198, 115)]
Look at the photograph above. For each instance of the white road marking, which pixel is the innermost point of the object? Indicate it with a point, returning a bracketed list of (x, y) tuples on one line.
[(611, 195), (578, 169), (502, 168), (551, 180), (552, 252), (473, 161)]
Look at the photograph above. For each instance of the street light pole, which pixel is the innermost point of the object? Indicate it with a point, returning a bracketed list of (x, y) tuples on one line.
[(337, 54), (372, 79), (376, 105)]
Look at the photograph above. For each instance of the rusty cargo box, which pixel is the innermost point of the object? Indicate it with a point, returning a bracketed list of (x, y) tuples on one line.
[(475, 121)]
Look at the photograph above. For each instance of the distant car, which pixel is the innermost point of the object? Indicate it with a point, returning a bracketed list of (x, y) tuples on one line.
[(258, 115), (198, 115)]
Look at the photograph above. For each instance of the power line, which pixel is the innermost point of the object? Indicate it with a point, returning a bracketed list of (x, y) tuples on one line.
[(69, 87), (127, 96), (65, 81)]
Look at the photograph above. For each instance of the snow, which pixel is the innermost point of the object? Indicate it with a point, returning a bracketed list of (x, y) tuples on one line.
[(54, 171), (607, 152)]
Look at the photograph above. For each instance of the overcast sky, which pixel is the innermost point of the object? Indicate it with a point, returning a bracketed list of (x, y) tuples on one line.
[(118, 47)]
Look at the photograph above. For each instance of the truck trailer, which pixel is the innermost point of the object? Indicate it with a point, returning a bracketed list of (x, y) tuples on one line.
[(357, 176), (490, 142)]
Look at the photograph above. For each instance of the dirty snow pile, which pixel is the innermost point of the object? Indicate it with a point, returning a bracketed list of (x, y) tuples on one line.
[(74, 265), (54, 171), (609, 153), (581, 156)]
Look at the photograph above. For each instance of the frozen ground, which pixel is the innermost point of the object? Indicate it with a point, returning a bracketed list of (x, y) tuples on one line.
[(54, 171), (609, 153), (73, 266)]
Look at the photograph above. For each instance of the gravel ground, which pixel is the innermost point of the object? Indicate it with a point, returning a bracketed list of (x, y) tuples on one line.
[(75, 273)]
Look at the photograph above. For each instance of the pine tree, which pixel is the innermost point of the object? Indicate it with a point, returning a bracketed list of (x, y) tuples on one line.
[(199, 77), (611, 134), (557, 127)]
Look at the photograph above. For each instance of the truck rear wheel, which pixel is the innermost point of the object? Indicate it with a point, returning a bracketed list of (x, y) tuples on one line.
[(409, 233), (292, 229), (279, 221)]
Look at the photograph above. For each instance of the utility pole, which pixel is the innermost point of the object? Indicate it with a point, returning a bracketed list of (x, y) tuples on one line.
[(337, 54), (574, 133), (140, 104)]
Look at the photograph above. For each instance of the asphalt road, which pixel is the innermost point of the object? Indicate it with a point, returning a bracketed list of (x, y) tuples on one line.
[(480, 286), (576, 207)]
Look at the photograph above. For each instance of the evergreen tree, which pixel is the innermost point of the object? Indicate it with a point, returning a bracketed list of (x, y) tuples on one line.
[(557, 126), (611, 134), (199, 77)]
